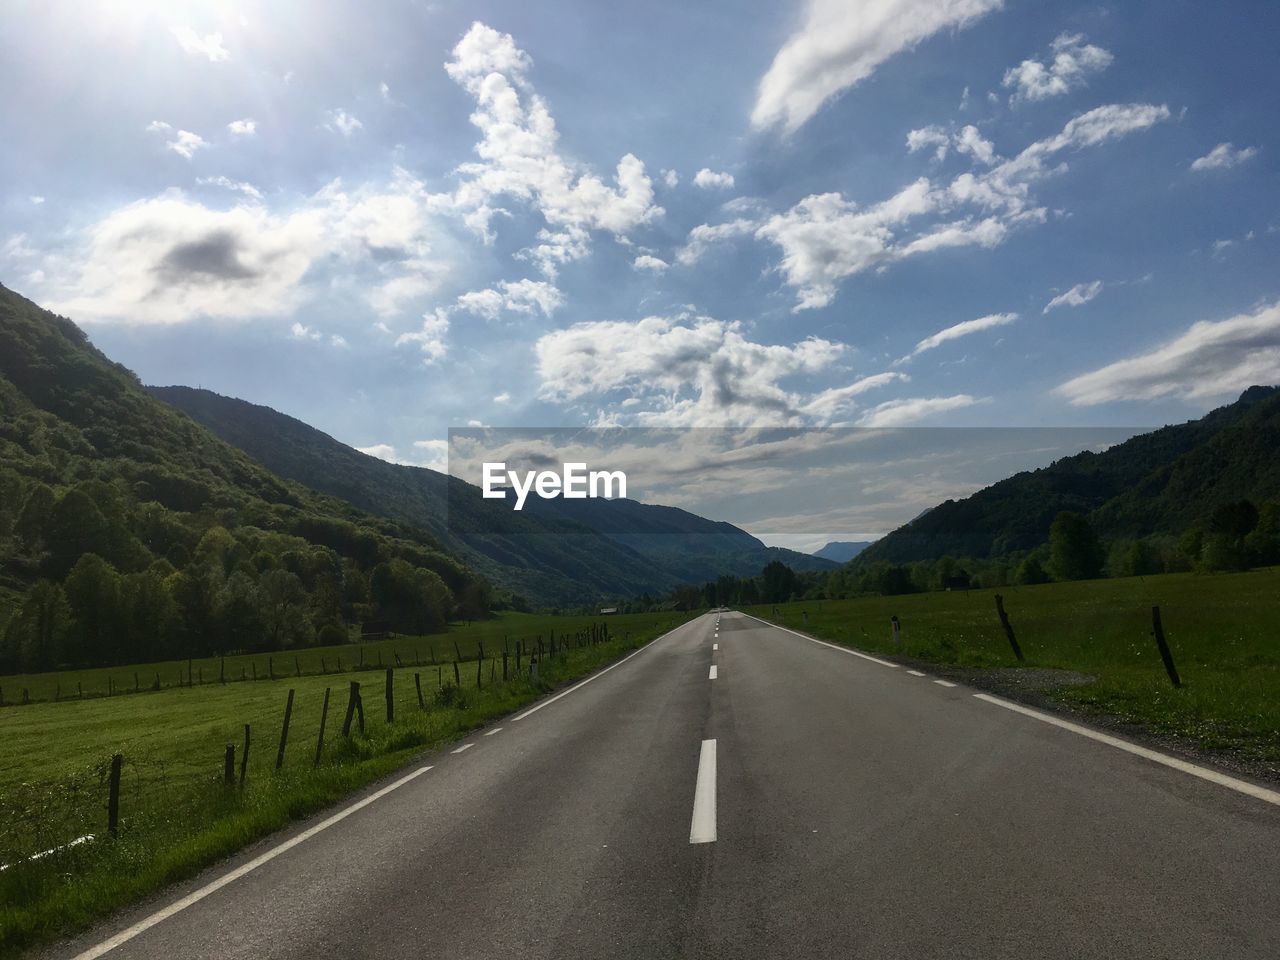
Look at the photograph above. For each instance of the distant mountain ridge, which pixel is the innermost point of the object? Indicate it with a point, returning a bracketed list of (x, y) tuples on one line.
[(842, 551), (1160, 482), (552, 551)]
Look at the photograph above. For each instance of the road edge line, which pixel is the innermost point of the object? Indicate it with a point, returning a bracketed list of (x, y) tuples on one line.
[(824, 643)]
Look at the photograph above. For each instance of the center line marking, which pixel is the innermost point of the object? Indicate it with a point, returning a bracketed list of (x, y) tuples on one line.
[(944, 683), (915, 673), (713, 672), (490, 733), (703, 827), (715, 646), (465, 746)]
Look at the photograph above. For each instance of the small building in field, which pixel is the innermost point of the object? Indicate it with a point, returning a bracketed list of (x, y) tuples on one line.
[(605, 611)]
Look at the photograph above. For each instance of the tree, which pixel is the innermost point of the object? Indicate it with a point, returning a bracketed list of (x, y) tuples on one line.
[(93, 591), (778, 582), (35, 639), (283, 609), (1031, 571), (1074, 550)]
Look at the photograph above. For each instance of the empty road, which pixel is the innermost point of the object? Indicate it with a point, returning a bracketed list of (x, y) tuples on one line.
[(737, 790)]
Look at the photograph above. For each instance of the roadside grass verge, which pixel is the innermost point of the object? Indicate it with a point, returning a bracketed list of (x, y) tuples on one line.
[(177, 817), (1223, 630)]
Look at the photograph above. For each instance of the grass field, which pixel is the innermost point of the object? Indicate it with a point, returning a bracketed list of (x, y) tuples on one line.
[(175, 814), (1223, 630)]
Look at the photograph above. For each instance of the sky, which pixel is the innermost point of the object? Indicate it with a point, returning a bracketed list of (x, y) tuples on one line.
[(398, 219)]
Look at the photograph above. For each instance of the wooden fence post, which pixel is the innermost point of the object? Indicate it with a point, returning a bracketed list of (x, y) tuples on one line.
[(417, 682), (284, 730), (113, 796), (504, 666), (1165, 653), (229, 765), (391, 701), (353, 694), (324, 715), (457, 675), (1008, 628), (244, 757), (360, 710)]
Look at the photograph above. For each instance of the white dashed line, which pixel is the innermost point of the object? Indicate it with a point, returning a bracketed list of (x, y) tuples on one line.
[(915, 673), (944, 683), (715, 646), (490, 733), (1231, 783), (465, 746), (177, 906), (703, 827), (712, 675)]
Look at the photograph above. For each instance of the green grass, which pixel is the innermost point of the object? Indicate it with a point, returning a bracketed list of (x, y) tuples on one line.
[(176, 816), (1224, 632)]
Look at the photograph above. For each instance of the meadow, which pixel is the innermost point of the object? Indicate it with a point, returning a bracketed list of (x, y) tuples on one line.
[(177, 815), (1223, 631)]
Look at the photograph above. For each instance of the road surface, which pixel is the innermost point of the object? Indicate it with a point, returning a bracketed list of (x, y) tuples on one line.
[(737, 790)]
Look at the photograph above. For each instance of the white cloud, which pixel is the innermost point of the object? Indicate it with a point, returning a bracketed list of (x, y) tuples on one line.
[(670, 178), (836, 48), (339, 121), (693, 371), (1077, 296), (900, 413), (1072, 63), (383, 451), (433, 454), (650, 263), (963, 329), (243, 128), (157, 126), (520, 296), (503, 397), (209, 46), (184, 142), (430, 338), (300, 331), (971, 142), (705, 235), (1211, 359), (711, 180), (36, 199), (384, 90), (1223, 157), (968, 141), (240, 186), (520, 159), (930, 136)]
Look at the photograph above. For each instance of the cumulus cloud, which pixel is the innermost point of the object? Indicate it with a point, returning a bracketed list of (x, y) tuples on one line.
[(967, 141), (243, 128), (901, 413), (1211, 359), (1071, 64), (1077, 296), (339, 121), (209, 46), (519, 159), (520, 296), (171, 259), (826, 238), (693, 371), (184, 143), (651, 263), (1223, 157), (670, 178), (240, 186), (958, 330), (711, 180), (430, 338), (834, 49), (930, 136)]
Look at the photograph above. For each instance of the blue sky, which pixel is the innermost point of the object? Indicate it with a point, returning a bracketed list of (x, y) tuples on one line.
[(884, 213)]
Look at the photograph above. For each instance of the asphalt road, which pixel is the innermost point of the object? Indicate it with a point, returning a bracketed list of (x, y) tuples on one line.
[(846, 808)]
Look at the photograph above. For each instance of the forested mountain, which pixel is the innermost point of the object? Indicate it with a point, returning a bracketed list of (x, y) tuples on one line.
[(127, 531), (553, 551), (1161, 483), (842, 551)]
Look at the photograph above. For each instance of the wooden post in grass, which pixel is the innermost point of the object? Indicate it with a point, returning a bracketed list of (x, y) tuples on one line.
[(360, 710), (113, 796), (244, 757), (135, 681), (504, 666), (297, 666), (1008, 628), (190, 674), (417, 682), (479, 666), (253, 667), (284, 730), (324, 715), (896, 626), (1165, 653), (229, 765), (353, 694), (457, 675), (391, 701), (222, 670), (323, 667), (271, 668)]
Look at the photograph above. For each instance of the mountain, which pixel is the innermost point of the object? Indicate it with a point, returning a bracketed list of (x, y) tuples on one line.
[(552, 551), (116, 509), (842, 551), (1162, 482)]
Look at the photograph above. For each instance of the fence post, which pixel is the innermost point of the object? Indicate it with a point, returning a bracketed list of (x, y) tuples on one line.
[(1165, 653), (457, 675), (244, 757), (417, 682), (360, 710), (353, 694), (479, 667), (284, 730), (324, 715), (229, 765), (504, 666), (113, 796), (1008, 628), (391, 702)]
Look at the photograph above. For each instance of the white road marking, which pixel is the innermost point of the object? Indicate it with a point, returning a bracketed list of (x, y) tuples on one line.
[(715, 646), (712, 676), (465, 746), (944, 683), (582, 683), (823, 643), (177, 906), (490, 733), (703, 827), (1204, 773), (915, 673)]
